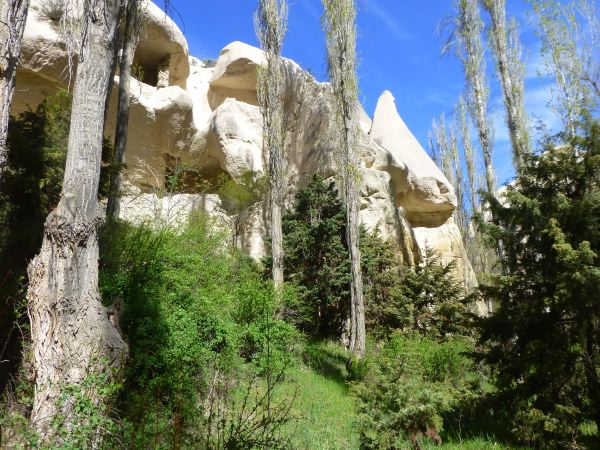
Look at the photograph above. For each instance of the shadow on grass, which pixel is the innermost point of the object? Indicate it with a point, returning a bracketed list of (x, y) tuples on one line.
[(328, 359)]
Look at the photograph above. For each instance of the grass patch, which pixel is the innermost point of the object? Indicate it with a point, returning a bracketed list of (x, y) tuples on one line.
[(324, 411)]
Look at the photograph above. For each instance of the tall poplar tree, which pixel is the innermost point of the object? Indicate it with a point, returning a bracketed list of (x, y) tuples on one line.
[(459, 180), (444, 144), (74, 336), (131, 30), (339, 22), (468, 152), (13, 15), (511, 72), (560, 30), (470, 50), (271, 25)]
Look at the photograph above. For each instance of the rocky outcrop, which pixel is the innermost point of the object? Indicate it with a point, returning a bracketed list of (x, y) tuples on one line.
[(206, 119)]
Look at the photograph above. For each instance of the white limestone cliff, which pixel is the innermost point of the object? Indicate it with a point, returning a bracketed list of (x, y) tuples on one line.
[(185, 112)]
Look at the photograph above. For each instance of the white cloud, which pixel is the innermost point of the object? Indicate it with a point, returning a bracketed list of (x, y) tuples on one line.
[(535, 67), (392, 24), (537, 105)]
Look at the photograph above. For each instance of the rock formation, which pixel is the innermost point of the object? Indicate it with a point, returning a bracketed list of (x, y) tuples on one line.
[(204, 117)]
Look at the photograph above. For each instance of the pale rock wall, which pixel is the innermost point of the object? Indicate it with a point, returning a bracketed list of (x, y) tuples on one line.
[(208, 118)]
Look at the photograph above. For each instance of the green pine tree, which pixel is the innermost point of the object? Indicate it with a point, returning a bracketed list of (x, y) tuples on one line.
[(544, 338), (317, 258)]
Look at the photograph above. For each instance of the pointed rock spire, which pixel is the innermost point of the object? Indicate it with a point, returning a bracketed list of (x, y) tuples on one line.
[(427, 187)]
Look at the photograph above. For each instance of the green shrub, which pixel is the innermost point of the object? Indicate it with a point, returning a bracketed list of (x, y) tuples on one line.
[(427, 298), (410, 384), (199, 322)]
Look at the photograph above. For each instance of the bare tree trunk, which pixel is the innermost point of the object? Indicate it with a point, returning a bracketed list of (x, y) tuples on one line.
[(443, 141), (469, 155), (271, 25), (459, 186), (13, 15), (511, 74), (130, 40), (469, 30), (73, 334), (358, 329), (340, 27)]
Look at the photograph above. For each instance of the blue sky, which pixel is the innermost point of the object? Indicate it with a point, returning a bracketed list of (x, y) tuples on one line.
[(399, 50)]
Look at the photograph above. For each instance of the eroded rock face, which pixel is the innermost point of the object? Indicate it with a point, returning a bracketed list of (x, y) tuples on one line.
[(186, 113)]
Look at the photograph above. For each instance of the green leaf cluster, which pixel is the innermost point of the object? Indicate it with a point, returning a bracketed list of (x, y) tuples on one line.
[(410, 384), (426, 298), (317, 259), (198, 320), (543, 339)]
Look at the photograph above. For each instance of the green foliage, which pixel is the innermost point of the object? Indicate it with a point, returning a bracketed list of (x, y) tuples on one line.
[(411, 383), (238, 199), (427, 298), (199, 323), (37, 143), (317, 259), (543, 338), (326, 411), (91, 419)]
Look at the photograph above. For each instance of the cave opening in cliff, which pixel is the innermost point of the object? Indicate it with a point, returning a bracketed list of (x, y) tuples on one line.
[(151, 64)]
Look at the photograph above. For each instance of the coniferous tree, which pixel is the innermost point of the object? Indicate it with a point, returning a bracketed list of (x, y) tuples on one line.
[(271, 24), (13, 15), (339, 21), (543, 338), (73, 333), (317, 260)]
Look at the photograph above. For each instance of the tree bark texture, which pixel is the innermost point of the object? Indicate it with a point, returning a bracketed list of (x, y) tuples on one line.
[(73, 334), (271, 25), (130, 39), (510, 71), (470, 26), (13, 16), (340, 27), (469, 155)]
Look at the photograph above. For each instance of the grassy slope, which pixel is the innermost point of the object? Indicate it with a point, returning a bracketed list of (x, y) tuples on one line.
[(323, 408)]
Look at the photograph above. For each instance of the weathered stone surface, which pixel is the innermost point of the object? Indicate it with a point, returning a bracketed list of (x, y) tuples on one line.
[(421, 188), (184, 111)]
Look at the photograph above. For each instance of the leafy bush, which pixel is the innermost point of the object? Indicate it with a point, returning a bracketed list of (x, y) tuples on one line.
[(199, 322), (410, 384)]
